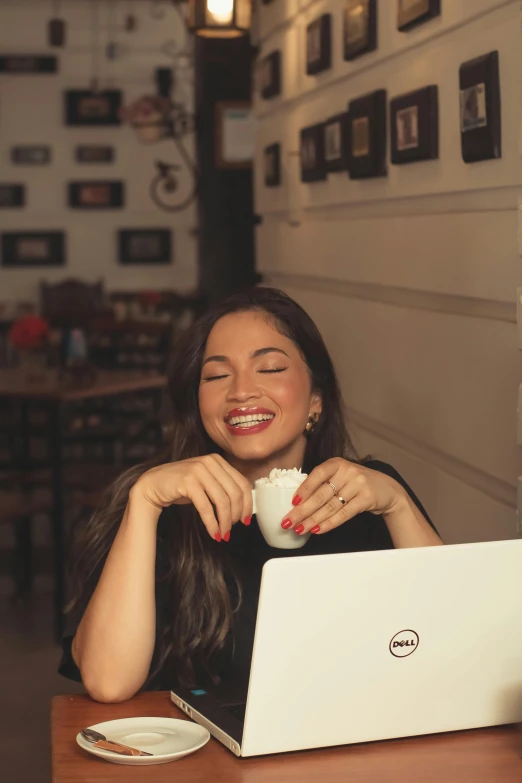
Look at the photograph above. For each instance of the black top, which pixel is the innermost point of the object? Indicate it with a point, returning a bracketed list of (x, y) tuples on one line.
[(249, 552)]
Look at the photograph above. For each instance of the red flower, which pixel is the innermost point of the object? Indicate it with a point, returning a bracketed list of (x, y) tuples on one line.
[(28, 332)]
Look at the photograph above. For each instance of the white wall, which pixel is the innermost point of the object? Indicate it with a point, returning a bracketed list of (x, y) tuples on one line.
[(411, 278), (31, 112)]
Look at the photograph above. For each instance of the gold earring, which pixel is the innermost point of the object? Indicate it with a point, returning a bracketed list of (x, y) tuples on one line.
[(312, 421)]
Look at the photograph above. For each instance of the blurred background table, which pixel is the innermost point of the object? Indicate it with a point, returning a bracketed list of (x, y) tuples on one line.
[(479, 756), (56, 438)]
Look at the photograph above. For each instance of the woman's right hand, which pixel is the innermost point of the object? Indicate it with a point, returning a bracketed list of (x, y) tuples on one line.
[(220, 493)]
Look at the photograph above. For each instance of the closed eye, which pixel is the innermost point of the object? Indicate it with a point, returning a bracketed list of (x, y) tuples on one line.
[(213, 378), (218, 377)]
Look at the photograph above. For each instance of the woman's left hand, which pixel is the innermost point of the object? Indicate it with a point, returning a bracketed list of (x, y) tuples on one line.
[(318, 509)]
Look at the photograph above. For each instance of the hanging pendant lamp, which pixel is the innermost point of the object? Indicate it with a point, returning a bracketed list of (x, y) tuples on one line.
[(219, 18)]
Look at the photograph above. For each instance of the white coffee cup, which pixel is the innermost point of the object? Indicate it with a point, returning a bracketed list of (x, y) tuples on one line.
[(271, 505)]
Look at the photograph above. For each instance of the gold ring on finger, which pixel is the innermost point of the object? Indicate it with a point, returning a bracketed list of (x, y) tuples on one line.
[(343, 501), (335, 490)]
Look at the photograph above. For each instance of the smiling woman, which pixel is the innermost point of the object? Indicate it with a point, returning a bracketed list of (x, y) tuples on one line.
[(246, 392), (248, 419), (252, 388)]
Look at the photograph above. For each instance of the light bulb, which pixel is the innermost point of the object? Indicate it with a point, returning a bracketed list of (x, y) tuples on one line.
[(220, 11)]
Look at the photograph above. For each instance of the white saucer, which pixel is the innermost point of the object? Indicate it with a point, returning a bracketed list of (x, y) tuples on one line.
[(167, 739)]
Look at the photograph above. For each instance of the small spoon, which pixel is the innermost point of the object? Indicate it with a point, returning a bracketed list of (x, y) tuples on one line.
[(101, 741)]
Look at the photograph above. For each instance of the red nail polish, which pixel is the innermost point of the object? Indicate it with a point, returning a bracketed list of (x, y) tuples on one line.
[(247, 520), (299, 529), (296, 500), (315, 529), (226, 537), (286, 523), (218, 536)]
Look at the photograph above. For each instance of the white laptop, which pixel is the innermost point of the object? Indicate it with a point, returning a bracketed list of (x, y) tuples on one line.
[(376, 645)]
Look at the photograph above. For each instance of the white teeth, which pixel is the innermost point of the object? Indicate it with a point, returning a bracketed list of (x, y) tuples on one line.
[(250, 419)]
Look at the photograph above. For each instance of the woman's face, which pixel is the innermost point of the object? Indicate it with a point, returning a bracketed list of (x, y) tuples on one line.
[(251, 370)]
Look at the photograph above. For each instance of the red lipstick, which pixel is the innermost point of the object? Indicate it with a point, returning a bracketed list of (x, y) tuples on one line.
[(248, 411)]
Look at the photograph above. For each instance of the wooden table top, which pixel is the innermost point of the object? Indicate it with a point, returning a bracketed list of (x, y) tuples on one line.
[(14, 383), (479, 756)]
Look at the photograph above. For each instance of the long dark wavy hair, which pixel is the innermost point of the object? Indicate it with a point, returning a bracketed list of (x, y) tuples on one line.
[(201, 610)]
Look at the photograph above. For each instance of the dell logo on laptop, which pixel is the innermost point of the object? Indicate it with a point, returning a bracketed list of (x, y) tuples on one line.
[(404, 643)]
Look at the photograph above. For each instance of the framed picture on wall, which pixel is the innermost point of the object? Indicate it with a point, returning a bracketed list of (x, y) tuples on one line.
[(234, 134), (28, 63), (410, 13), (94, 153), (335, 130), (96, 195), (319, 45), (12, 196), (360, 28), (272, 165), (31, 155), (145, 246), (367, 136), (414, 126), (311, 152), (33, 248), (480, 126), (87, 108), (269, 75)]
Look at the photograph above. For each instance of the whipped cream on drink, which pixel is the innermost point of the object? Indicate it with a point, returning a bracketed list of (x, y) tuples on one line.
[(282, 478), (272, 501)]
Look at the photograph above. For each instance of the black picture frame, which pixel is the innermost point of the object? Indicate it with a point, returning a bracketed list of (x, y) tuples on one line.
[(270, 75), (96, 194), (94, 153), (480, 112), (28, 63), (410, 14), (319, 45), (311, 153), (272, 165), (335, 147), (31, 155), (22, 249), (87, 109), (359, 28), (414, 126), (367, 136), (12, 196), (145, 246)]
